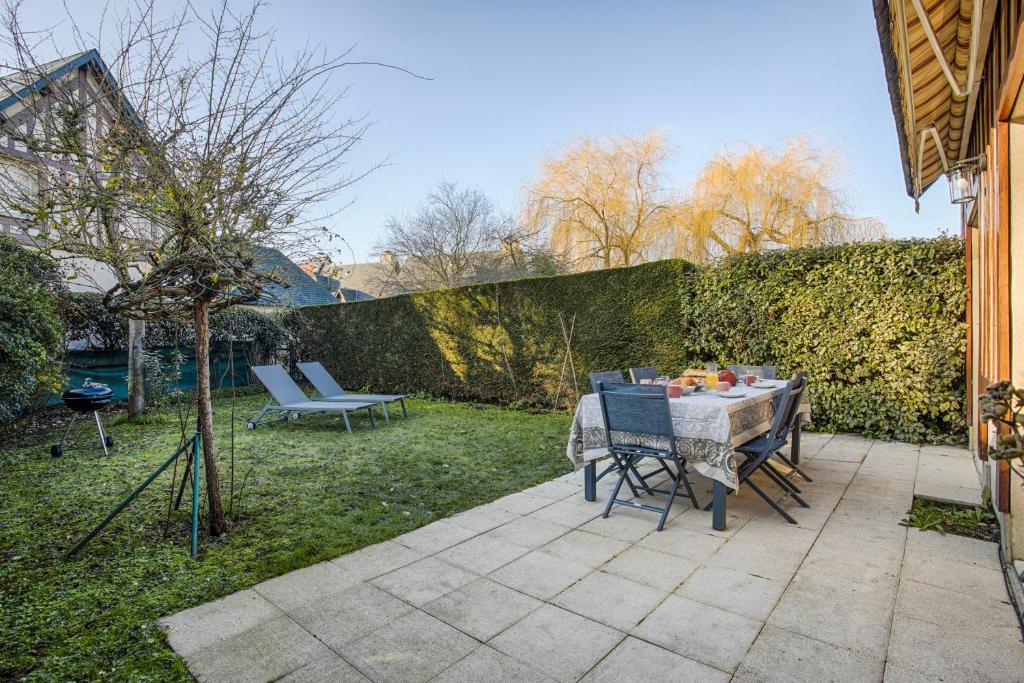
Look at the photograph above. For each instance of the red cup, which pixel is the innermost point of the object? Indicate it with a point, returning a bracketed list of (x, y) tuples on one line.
[(749, 379), (675, 391), (723, 387)]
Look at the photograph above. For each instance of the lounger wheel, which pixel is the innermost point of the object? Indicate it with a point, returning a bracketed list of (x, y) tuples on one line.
[(56, 450), (109, 440), (293, 416), (250, 425)]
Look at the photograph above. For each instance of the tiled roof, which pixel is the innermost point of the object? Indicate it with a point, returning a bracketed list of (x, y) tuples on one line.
[(348, 295), (302, 290)]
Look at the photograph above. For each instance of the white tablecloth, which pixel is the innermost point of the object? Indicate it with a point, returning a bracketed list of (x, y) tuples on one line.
[(707, 428)]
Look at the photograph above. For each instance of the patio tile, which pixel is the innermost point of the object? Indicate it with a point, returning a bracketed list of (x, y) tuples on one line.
[(707, 634), (327, 669), (636, 660), (424, 580), (835, 609), (566, 513), (414, 648), (779, 655), (293, 590), (842, 452), (555, 490), (611, 600), (946, 654), (483, 518), (956, 576), (682, 542), (528, 532), (775, 533), (737, 591), (265, 652), (881, 511), (830, 471), (559, 643), (521, 503), (435, 537), (585, 548), (698, 520), (992, 614), (540, 575), (937, 547), (487, 664), (482, 554), (894, 673), (622, 527), (200, 627), (651, 568), (483, 608), (751, 558), (374, 560), (343, 617)]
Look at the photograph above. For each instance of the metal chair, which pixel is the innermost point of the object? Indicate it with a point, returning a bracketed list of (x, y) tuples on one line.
[(640, 409), (637, 374), (606, 376), (763, 371), (759, 450), (791, 425)]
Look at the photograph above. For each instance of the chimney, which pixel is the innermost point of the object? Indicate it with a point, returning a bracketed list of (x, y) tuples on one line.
[(390, 259)]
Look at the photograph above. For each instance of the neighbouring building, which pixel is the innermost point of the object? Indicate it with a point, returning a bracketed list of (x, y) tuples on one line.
[(297, 288), (358, 281), (955, 69)]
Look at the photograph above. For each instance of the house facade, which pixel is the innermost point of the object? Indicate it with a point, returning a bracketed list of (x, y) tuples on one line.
[(955, 71)]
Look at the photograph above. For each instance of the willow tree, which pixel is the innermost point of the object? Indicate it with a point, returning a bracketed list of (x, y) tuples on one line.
[(763, 198), (604, 202), (165, 165)]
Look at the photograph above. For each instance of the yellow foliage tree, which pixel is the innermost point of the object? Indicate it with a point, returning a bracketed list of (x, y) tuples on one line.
[(764, 199), (604, 202)]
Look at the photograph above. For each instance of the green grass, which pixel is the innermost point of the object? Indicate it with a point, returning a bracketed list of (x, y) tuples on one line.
[(961, 520), (311, 492)]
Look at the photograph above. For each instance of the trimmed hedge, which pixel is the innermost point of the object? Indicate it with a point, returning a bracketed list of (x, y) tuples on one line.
[(879, 328)]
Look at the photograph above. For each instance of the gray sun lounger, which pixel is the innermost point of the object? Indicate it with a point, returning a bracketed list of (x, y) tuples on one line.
[(288, 398), (330, 390)]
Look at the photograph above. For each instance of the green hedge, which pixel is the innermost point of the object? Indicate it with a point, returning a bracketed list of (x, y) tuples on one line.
[(878, 327)]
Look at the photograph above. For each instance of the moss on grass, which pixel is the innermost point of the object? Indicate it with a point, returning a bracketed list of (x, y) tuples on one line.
[(308, 492)]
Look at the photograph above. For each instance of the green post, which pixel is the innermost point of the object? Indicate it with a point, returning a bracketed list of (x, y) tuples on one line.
[(196, 442)]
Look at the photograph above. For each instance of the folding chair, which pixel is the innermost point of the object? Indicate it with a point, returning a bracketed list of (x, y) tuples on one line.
[(637, 374), (763, 371), (759, 450), (791, 424), (643, 410), (330, 390), (288, 398)]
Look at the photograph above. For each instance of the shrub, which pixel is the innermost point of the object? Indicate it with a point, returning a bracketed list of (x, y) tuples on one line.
[(879, 328), (31, 343)]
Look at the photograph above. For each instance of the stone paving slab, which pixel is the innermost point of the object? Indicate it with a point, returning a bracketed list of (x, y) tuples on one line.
[(537, 587)]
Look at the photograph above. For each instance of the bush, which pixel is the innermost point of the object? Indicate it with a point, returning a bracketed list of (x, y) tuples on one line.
[(879, 328), (31, 343)]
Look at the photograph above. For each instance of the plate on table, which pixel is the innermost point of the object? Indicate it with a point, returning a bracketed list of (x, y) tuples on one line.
[(768, 384), (735, 392)]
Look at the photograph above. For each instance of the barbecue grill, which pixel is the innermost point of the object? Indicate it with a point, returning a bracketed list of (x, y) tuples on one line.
[(91, 397)]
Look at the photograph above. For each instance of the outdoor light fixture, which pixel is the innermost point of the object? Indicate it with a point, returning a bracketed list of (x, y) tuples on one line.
[(963, 179)]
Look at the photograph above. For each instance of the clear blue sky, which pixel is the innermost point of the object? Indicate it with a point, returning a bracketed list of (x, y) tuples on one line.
[(514, 81)]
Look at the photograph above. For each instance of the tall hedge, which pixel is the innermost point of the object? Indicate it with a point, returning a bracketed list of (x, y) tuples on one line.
[(878, 327)]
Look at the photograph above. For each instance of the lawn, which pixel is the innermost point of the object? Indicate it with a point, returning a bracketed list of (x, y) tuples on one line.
[(310, 492)]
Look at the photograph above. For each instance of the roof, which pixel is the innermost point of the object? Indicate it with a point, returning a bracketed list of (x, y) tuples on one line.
[(16, 87), (927, 109), (302, 290), (349, 295), (370, 279)]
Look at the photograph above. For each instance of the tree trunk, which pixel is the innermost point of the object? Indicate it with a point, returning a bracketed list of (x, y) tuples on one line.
[(136, 370), (204, 416)]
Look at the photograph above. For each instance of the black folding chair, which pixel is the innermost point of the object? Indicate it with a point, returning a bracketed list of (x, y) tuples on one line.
[(758, 451), (637, 374), (791, 423), (641, 409), (608, 376)]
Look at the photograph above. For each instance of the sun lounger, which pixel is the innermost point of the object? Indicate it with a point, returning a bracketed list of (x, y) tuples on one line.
[(330, 390), (289, 399)]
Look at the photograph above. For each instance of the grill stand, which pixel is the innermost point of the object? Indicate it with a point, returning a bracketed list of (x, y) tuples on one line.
[(57, 449)]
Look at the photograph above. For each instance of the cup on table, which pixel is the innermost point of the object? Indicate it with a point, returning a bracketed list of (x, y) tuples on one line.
[(675, 391), (723, 387), (710, 380), (749, 379), (647, 381)]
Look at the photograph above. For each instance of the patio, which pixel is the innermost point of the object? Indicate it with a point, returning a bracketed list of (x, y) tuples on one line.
[(536, 586)]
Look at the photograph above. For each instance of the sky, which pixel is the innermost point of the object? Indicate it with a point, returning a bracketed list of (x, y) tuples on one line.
[(513, 82)]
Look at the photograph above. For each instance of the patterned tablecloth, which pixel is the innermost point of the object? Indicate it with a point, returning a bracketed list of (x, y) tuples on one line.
[(707, 427)]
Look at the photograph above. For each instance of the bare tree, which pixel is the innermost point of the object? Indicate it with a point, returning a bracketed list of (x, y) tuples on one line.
[(456, 237), (166, 165)]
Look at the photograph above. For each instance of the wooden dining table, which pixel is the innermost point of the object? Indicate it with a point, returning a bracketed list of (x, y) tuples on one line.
[(707, 428)]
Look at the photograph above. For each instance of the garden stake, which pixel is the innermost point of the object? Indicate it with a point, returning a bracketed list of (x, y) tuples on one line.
[(196, 441), (149, 480)]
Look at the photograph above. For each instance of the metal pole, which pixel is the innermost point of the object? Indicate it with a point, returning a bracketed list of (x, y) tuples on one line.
[(99, 428), (196, 442), (116, 511)]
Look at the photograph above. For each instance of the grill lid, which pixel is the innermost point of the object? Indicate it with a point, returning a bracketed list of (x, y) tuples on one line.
[(89, 396)]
